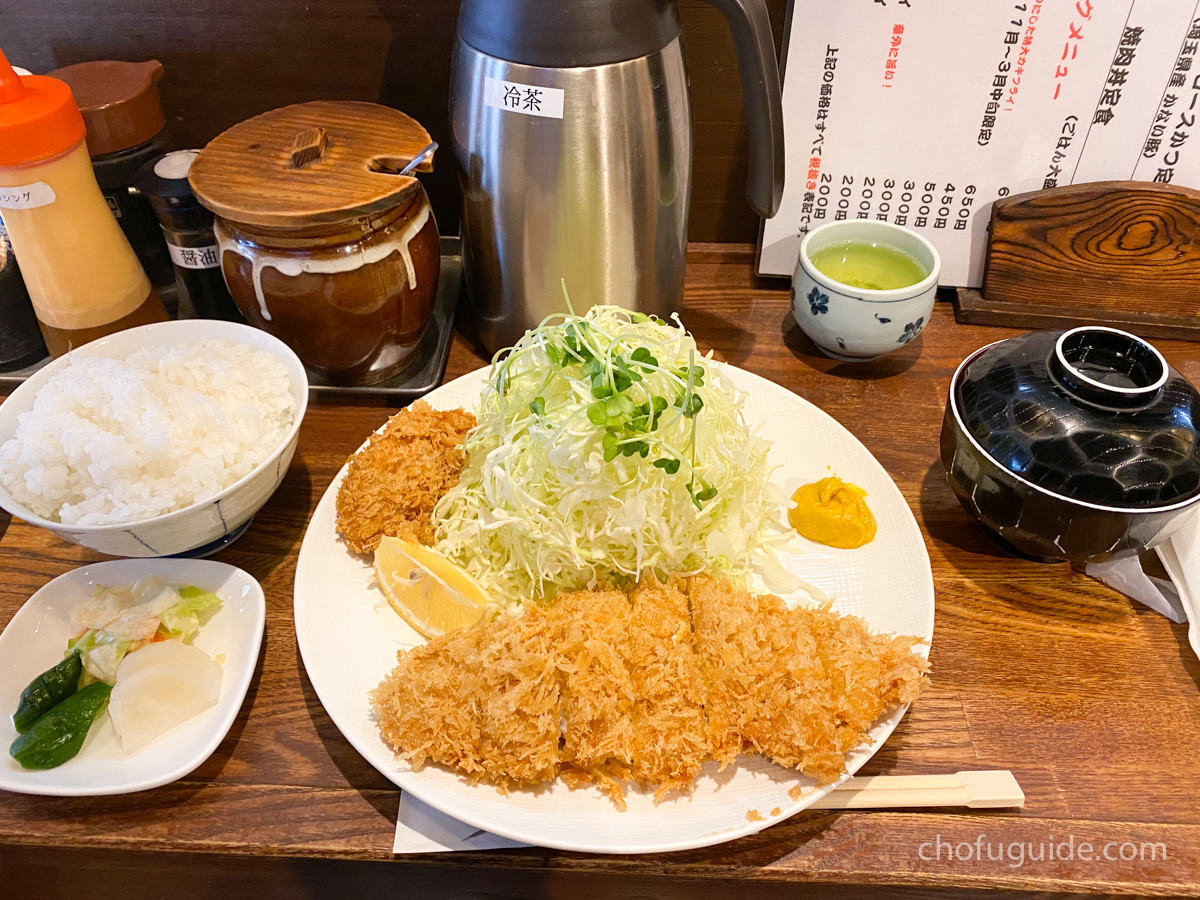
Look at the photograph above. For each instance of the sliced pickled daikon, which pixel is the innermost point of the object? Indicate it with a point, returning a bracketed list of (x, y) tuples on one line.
[(159, 687)]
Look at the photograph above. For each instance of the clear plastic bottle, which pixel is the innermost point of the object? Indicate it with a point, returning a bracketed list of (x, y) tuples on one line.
[(82, 275)]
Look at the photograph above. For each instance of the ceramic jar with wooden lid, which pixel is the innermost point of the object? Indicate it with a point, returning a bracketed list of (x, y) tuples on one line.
[(322, 243)]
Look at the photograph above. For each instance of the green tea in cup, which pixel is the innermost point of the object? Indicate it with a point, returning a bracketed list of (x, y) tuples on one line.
[(863, 288), (868, 265)]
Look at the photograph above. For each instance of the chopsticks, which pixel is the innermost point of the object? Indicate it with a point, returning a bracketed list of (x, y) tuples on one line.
[(989, 789)]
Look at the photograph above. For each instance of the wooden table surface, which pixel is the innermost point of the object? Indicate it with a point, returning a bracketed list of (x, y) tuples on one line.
[(1092, 700)]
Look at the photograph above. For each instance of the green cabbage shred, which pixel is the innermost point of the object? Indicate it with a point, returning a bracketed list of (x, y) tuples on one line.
[(608, 448)]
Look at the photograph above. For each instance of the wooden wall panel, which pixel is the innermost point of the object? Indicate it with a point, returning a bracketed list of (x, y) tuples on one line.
[(226, 60)]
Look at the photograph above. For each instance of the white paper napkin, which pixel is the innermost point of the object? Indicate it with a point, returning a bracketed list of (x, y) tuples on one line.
[(422, 829), (1178, 599)]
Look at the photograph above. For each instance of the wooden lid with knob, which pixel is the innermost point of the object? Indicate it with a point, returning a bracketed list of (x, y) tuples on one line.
[(320, 163)]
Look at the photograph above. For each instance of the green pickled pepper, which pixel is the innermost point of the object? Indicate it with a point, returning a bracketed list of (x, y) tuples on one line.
[(57, 736), (46, 691)]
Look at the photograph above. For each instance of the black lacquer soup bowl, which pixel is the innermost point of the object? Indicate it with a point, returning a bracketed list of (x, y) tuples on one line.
[(1075, 445)]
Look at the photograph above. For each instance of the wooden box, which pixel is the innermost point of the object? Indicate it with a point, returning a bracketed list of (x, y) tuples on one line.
[(1119, 253)]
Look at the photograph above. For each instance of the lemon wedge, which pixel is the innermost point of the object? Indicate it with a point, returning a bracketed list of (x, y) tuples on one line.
[(431, 593)]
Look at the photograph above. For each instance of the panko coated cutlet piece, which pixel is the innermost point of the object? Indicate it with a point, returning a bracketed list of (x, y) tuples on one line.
[(598, 690), (429, 703), (394, 482), (670, 733), (517, 695), (767, 688), (868, 673)]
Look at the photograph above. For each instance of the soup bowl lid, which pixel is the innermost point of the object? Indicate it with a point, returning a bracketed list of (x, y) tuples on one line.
[(1092, 414)]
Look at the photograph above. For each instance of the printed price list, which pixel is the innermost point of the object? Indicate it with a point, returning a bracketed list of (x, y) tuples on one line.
[(912, 202)]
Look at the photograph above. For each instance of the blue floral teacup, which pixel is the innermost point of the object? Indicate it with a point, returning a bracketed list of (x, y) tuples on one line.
[(855, 324)]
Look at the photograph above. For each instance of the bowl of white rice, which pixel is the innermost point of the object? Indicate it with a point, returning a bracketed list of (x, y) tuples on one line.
[(162, 440)]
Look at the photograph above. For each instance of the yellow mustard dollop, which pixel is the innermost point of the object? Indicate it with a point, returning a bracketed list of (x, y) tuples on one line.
[(834, 513)]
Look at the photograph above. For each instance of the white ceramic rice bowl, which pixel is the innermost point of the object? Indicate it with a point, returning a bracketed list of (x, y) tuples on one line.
[(203, 527)]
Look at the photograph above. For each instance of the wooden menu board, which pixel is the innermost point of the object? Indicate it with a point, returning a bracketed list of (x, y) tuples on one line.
[(924, 112)]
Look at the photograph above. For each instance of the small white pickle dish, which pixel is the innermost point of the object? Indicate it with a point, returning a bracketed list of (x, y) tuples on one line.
[(35, 640)]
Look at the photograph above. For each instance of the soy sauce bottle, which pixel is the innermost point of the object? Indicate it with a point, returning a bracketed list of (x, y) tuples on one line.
[(188, 228)]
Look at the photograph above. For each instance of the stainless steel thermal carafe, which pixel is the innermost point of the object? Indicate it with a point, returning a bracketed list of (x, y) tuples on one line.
[(572, 128)]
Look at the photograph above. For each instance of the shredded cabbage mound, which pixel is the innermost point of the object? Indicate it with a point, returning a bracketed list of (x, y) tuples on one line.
[(608, 448)]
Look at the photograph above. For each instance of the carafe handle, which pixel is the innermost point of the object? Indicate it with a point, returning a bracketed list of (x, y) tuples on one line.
[(751, 28)]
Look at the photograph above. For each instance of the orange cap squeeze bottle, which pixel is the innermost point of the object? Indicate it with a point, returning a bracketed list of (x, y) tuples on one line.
[(83, 277), (38, 117)]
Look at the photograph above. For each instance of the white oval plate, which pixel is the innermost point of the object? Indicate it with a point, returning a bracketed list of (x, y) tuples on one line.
[(348, 638), (37, 636)]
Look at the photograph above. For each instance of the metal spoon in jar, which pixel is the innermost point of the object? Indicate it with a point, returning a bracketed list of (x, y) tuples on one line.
[(427, 152)]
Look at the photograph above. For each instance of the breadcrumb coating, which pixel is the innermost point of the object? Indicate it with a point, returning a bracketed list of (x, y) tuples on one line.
[(394, 482), (604, 687), (598, 690), (868, 673), (428, 705), (767, 688), (670, 730), (517, 694)]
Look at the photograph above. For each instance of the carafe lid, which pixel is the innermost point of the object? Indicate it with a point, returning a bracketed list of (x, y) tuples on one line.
[(38, 117), (555, 34), (119, 102), (1092, 414), (319, 163)]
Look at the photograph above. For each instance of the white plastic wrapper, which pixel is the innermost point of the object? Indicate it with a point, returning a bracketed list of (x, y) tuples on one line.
[(1177, 599), (1127, 576)]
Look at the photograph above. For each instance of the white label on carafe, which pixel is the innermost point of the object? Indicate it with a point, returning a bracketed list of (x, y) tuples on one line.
[(529, 99), (195, 257), (26, 196)]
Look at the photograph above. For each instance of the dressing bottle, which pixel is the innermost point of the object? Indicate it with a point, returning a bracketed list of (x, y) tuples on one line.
[(81, 273), (21, 342)]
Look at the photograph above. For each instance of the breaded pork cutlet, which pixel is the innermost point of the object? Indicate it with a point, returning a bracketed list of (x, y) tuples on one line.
[(868, 673), (483, 700), (394, 482), (670, 739), (428, 706), (767, 690), (517, 695), (598, 692), (600, 686)]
